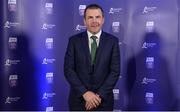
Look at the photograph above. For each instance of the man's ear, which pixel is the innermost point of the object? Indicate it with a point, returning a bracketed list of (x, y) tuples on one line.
[(103, 20), (84, 20)]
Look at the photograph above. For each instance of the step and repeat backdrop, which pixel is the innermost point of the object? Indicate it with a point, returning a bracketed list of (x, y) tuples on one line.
[(33, 39)]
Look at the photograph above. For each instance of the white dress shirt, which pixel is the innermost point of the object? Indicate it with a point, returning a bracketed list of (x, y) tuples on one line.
[(90, 40)]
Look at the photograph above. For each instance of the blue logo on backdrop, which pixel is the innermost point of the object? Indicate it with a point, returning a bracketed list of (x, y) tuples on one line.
[(12, 5), (150, 26), (116, 94), (12, 42), (149, 98), (8, 24), (46, 26), (114, 10), (148, 45), (49, 43), (13, 80), (48, 95), (49, 8), (116, 27), (49, 109), (146, 80), (81, 9), (80, 27), (9, 62), (148, 9), (10, 100), (48, 61), (49, 77), (150, 62)]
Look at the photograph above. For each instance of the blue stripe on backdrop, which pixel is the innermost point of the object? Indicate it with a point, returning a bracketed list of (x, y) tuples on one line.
[(1, 56), (178, 59)]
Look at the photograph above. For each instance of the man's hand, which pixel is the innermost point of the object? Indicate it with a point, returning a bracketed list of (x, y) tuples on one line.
[(92, 100)]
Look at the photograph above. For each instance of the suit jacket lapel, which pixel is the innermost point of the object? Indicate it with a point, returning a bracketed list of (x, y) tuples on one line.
[(85, 42), (100, 48)]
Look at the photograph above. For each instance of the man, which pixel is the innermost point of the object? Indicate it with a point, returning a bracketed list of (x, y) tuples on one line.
[(92, 64)]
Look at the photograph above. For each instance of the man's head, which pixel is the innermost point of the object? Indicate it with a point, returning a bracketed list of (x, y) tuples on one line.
[(93, 18)]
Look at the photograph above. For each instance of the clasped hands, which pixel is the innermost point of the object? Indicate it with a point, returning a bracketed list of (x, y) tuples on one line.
[(92, 100)]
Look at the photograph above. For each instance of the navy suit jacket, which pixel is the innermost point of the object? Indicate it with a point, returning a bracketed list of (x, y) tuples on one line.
[(100, 77)]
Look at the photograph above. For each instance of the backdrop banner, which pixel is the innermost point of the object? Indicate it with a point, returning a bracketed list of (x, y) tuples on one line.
[(34, 36)]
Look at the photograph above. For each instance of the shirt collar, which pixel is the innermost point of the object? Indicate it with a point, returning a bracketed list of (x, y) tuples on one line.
[(97, 34)]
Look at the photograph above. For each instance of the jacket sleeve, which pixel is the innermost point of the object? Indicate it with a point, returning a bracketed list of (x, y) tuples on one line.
[(69, 70), (112, 78)]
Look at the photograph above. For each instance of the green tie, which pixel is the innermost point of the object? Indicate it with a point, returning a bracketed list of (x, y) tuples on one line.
[(93, 49)]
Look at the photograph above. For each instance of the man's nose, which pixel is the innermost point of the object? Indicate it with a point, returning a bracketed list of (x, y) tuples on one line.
[(94, 19)]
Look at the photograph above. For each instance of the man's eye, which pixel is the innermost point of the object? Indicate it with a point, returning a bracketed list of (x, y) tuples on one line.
[(90, 17)]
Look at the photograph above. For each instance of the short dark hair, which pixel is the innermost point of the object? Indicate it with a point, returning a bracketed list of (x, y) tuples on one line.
[(93, 6)]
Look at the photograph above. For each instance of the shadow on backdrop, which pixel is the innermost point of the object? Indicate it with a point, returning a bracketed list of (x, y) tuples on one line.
[(148, 78), (26, 90)]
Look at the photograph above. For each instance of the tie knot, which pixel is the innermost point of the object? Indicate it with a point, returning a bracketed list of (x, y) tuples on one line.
[(94, 38)]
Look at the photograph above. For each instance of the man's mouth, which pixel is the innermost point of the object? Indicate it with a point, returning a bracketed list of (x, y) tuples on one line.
[(94, 25)]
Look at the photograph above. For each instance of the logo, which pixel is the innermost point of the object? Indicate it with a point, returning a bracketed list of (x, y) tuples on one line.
[(49, 109), (150, 62), (147, 80), (46, 26), (48, 61), (49, 8), (13, 80), (9, 62), (49, 43), (120, 43), (117, 110), (81, 9), (149, 98), (8, 24), (12, 5), (12, 42), (115, 27), (49, 77), (114, 10), (116, 94), (150, 26), (48, 95), (148, 45), (148, 9), (10, 100), (80, 27)]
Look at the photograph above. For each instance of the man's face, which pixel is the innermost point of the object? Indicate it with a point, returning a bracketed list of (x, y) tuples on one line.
[(93, 20)]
